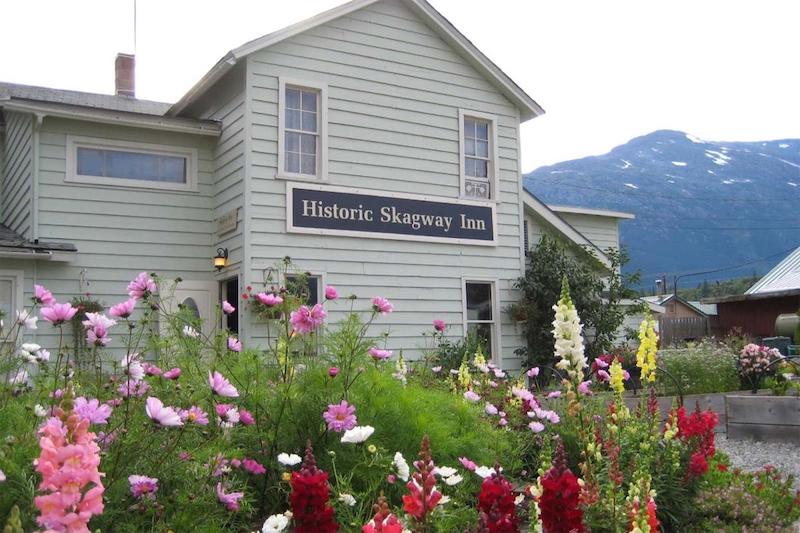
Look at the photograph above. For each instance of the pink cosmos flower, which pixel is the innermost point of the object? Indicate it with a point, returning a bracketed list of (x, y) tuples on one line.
[(163, 416), (229, 500), (626, 375), (43, 296), (439, 325), (221, 386), (306, 320), (143, 486), (554, 394), (436, 369), (195, 415), (151, 370), (382, 305), (536, 427), (490, 409), (123, 309), (270, 300), (234, 344), (471, 396), (503, 422), (184, 456), (227, 308), (603, 375), (469, 465), (533, 372), (97, 326), (142, 286), (583, 388), (340, 417), (227, 413), (132, 387), (391, 479), (57, 313), (92, 410), (253, 466), (174, 373), (331, 293), (333, 371), (246, 417), (378, 354), (97, 337)]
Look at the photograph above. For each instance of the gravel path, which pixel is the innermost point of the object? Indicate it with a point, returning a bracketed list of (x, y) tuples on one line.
[(752, 455)]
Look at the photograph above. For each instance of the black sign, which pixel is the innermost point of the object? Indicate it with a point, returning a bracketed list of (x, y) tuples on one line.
[(335, 210)]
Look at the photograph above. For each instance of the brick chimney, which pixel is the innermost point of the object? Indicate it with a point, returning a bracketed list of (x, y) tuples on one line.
[(125, 75)]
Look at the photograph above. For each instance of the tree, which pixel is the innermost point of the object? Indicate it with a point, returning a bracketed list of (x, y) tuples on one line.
[(596, 290)]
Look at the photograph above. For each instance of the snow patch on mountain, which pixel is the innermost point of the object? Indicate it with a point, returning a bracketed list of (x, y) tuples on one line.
[(679, 163)]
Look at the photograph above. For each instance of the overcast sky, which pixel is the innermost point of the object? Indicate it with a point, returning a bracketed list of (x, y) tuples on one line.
[(605, 71)]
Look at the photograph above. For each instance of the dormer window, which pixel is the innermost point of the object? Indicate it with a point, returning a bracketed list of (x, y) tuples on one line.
[(478, 153)]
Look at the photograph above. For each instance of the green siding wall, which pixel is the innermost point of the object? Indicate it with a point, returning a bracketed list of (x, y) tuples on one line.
[(16, 195)]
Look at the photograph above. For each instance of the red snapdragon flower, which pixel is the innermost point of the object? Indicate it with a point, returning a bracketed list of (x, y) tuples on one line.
[(560, 500), (423, 496), (496, 505), (309, 498)]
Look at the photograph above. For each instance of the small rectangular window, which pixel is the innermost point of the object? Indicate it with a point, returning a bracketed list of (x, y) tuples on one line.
[(480, 316), (478, 155), (301, 130), (306, 287)]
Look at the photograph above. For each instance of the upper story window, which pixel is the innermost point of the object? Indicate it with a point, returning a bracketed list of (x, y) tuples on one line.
[(302, 141), (109, 162), (478, 153)]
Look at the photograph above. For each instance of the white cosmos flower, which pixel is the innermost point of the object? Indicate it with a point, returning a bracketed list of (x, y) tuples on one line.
[(444, 471), (347, 499), (39, 411), (24, 318), (486, 471), (131, 365), (453, 480), (189, 331), (289, 460), (358, 434), (42, 356), (275, 523), (403, 472), (444, 500), (20, 378)]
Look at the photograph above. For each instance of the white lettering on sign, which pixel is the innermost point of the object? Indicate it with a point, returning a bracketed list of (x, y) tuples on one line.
[(227, 222)]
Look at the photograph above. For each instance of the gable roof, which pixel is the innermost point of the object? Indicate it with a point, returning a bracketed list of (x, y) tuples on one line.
[(703, 309), (535, 205), (785, 276), (438, 23)]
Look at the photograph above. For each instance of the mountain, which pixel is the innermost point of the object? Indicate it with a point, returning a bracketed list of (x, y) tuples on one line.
[(699, 205)]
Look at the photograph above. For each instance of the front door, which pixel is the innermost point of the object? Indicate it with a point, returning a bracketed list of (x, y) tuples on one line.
[(201, 298)]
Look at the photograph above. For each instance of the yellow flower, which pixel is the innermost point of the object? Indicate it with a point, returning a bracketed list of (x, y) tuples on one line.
[(648, 345), (287, 476), (479, 359), (617, 377), (464, 378), (372, 448)]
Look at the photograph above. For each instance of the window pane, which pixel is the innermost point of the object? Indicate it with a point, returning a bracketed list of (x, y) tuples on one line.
[(309, 101), (481, 168), (482, 130), (484, 333), (304, 287), (483, 148), (90, 162), (131, 165), (292, 142), (6, 302), (292, 162), (292, 119), (172, 169), (469, 147), (292, 99), (469, 166), (308, 144), (469, 128), (309, 122), (309, 165), (479, 301)]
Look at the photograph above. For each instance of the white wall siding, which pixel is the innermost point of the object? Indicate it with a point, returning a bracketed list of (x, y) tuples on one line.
[(16, 200), (394, 90), (602, 231)]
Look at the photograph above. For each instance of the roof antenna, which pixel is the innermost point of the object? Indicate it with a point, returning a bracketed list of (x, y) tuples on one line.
[(134, 27)]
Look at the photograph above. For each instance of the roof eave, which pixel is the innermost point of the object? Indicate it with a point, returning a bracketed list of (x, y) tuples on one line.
[(206, 82)]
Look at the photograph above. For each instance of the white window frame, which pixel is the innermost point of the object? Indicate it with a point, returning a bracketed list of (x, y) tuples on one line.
[(322, 128), (17, 279), (496, 319), (75, 142), (493, 171)]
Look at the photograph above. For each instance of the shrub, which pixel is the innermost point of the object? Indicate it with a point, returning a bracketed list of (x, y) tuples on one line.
[(699, 368)]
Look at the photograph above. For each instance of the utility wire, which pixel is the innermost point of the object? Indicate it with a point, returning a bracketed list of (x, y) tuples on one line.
[(723, 269)]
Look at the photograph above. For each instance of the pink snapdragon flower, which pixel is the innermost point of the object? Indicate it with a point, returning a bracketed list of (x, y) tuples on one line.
[(42, 296), (163, 416), (253, 466), (382, 305), (246, 417), (234, 344), (57, 313), (340, 417), (583, 388), (229, 500), (305, 319), (439, 325), (269, 299), (227, 308), (532, 372), (554, 394), (143, 487), (378, 354), (92, 410), (221, 386), (603, 375), (123, 309), (194, 415), (142, 286), (331, 293), (600, 363), (173, 373)]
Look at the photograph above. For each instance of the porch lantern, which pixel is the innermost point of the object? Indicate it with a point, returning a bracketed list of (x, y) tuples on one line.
[(221, 259)]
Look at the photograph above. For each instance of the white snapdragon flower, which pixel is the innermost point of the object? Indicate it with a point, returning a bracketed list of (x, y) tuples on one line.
[(568, 333), (347, 499)]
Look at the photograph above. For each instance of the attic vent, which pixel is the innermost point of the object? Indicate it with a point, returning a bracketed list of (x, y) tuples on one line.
[(525, 238)]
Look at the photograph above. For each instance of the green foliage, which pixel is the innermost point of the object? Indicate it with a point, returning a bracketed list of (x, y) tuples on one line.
[(699, 368), (595, 290), (449, 353), (727, 287)]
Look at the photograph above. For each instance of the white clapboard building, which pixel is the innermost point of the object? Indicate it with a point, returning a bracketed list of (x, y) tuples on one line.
[(373, 144)]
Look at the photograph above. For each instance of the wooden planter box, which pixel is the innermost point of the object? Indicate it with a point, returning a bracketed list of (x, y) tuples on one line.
[(763, 418)]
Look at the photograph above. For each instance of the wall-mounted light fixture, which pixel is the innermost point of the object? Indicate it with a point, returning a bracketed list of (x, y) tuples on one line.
[(221, 259)]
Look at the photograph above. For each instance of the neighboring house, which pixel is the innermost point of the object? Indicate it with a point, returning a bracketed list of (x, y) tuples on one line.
[(755, 311), (682, 320), (373, 144), (677, 307)]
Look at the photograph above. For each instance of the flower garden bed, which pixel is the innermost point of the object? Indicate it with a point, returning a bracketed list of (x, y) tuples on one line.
[(763, 418)]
